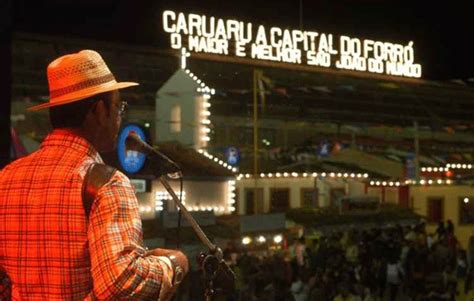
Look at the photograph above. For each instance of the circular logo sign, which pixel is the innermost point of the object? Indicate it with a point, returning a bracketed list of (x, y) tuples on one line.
[(130, 160)]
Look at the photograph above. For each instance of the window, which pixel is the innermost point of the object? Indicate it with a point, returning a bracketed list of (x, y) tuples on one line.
[(279, 199), (175, 120), (309, 197), (466, 210), (435, 209), (252, 206)]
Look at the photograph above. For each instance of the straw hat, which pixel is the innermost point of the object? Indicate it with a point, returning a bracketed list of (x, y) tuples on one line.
[(77, 76)]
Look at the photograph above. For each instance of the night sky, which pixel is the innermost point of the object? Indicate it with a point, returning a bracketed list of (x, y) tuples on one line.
[(441, 33)]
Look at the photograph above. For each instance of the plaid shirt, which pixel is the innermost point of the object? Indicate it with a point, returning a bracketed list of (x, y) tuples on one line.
[(48, 249)]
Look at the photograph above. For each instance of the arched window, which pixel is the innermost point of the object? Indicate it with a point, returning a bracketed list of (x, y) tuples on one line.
[(175, 119)]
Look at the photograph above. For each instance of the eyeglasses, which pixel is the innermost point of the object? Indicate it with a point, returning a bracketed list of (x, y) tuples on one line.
[(123, 108)]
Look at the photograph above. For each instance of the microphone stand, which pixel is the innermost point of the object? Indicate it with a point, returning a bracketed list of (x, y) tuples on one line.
[(212, 263)]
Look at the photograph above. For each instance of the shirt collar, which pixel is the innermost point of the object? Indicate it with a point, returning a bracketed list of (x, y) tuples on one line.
[(68, 139)]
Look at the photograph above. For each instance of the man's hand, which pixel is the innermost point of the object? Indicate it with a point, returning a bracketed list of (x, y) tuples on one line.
[(175, 258), (180, 257)]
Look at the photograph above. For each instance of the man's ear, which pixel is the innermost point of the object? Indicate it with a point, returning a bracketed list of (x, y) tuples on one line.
[(101, 112)]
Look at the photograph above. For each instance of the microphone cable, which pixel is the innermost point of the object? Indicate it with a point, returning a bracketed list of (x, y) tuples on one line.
[(179, 211)]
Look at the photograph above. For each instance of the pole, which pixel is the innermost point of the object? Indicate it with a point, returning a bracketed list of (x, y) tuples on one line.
[(256, 74), (301, 14), (417, 151), (197, 229), (216, 271), (315, 196)]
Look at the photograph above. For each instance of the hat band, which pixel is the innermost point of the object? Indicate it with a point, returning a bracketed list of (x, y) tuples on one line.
[(82, 85)]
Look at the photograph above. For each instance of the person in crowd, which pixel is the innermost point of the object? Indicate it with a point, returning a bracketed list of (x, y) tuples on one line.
[(299, 287), (461, 265), (394, 276), (377, 273), (300, 252), (429, 240), (345, 294), (440, 230), (55, 244), (449, 226), (468, 284)]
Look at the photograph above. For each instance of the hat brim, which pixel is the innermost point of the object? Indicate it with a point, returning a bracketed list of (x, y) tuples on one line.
[(79, 95)]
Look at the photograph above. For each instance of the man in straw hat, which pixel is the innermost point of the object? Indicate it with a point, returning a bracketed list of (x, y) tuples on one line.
[(69, 225)]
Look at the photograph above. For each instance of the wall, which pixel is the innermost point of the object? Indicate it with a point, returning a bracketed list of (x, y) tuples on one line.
[(198, 195), (180, 90), (451, 195), (295, 184), (391, 194)]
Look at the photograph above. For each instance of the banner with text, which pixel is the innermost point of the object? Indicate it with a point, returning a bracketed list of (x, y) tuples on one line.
[(204, 34)]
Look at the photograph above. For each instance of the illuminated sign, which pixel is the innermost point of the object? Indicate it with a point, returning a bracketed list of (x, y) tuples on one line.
[(232, 155), (130, 160), (200, 33)]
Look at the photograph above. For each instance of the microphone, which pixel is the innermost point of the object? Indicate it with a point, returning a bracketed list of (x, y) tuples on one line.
[(165, 164)]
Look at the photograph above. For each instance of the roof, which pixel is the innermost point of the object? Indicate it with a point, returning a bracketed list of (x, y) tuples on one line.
[(192, 163), (330, 217), (338, 96)]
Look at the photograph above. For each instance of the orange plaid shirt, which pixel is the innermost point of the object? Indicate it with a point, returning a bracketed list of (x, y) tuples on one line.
[(48, 249)]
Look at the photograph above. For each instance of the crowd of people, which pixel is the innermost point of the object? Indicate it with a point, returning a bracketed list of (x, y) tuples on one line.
[(394, 263)]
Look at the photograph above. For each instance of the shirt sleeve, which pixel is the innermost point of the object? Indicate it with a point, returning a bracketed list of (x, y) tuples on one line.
[(167, 289), (119, 265)]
